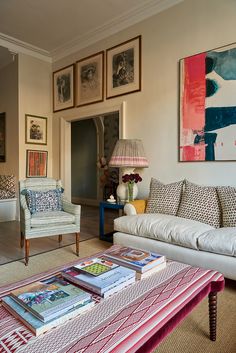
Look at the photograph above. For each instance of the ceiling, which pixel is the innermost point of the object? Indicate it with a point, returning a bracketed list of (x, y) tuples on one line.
[(54, 28)]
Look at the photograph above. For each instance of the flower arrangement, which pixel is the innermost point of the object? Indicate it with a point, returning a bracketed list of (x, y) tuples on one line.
[(130, 179)]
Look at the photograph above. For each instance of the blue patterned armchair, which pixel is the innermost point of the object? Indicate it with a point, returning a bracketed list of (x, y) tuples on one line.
[(44, 212)]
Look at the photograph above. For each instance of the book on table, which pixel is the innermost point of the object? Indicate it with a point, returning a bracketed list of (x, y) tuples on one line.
[(106, 283), (37, 326), (136, 259), (48, 299), (150, 272)]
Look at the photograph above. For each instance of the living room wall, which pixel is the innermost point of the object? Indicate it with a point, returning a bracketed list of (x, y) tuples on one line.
[(152, 115)]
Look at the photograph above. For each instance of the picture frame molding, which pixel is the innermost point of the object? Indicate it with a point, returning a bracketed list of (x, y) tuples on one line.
[(64, 106), (27, 141)]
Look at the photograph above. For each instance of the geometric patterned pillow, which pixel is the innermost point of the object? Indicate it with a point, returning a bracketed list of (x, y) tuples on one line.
[(227, 196), (164, 198), (40, 201), (7, 186), (200, 203)]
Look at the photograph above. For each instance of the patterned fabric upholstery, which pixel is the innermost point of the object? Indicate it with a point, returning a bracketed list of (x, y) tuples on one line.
[(164, 198), (227, 196), (53, 218), (200, 203), (40, 201), (7, 187)]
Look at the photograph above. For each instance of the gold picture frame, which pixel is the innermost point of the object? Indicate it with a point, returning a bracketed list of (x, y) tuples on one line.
[(35, 129)]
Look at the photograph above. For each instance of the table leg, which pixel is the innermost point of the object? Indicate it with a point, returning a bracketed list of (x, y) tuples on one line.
[(212, 300)]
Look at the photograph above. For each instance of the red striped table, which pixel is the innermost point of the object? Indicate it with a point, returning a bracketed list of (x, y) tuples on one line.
[(133, 320)]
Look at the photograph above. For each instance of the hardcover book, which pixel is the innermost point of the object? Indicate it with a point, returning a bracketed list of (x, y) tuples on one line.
[(96, 266), (37, 326), (136, 259), (50, 298)]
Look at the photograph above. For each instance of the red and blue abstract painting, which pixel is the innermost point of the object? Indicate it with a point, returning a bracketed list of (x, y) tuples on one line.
[(208, 106)]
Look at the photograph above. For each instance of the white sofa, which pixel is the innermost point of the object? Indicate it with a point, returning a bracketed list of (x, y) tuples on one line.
[(180, 239)]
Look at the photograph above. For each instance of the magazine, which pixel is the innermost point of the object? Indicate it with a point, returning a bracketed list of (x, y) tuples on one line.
[(96, 266), (50, 298), (99, 284), (136, 259), (37, 326)]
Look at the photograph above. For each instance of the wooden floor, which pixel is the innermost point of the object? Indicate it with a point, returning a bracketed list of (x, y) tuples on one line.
[(10, 235)]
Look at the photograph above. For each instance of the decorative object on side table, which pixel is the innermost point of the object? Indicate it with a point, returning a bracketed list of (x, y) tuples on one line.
[(131, 180), (128, 154)]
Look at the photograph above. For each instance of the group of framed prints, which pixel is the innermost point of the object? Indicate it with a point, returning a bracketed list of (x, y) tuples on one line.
[(83, 83), (36, 133)]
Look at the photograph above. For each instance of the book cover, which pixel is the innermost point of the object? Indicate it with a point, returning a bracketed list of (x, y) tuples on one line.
[(37, 326), (49, 298), (139, 260), (102, 283), (96, 266)]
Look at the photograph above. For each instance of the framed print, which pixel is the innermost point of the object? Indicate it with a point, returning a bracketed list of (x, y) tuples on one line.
[(35, 129), (2, 137), (90, 79), (36, 164), (207, 128), (123, 68), (63, 88)]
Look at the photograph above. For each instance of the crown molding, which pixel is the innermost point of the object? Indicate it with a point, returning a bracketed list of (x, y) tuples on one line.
[(17, 46), (148, 9)]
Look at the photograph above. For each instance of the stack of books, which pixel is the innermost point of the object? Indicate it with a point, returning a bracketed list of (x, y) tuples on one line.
[(46, 304), (145, 263), (100, 276)]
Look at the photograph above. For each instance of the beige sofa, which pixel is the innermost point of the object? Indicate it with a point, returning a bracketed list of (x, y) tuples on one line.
[(200, 231)]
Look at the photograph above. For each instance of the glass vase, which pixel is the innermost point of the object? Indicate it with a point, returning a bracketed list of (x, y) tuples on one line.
[(130, 192)]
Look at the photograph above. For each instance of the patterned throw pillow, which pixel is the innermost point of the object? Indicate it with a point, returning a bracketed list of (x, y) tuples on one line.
[(227, 196), (41, 201), (200, 203), (164, 198), (7, 186)]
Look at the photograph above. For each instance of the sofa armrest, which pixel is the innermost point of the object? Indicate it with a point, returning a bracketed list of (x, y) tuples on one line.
[(135, 207), (73, 209)]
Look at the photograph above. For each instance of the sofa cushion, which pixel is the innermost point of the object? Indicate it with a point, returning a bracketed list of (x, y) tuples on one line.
[(163, 198), (51, 218), (227, 196), (219, 241), (200, 203), (168, 228), (41, 201)]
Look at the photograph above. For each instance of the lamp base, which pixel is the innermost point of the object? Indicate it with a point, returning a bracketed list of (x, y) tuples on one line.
[(122, 192)]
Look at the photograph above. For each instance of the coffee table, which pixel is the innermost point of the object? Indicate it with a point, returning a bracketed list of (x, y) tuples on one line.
[(135, 319)]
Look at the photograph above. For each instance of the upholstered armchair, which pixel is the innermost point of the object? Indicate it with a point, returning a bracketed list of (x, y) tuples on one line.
[(44, 212)]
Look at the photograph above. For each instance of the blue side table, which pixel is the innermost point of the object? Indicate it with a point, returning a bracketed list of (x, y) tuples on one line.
[(102, 206)]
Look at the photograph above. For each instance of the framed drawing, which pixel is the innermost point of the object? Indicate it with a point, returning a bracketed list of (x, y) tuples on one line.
[(35, 129), (123, 68), (208, 106), (36, 164), (2, 137), (90, 79), (63, 88)]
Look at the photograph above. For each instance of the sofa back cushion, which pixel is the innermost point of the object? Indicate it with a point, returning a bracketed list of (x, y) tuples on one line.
[(200, 203), (41, 201), (227, 196), (164, 198)]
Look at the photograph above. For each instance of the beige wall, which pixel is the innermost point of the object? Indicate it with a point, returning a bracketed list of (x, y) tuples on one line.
[(152, 114), (9, 105), (34, 98)]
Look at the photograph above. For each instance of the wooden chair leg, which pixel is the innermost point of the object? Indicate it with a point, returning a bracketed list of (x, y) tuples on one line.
[(59, 238), (26, 252), (77, 243), (22, 240)]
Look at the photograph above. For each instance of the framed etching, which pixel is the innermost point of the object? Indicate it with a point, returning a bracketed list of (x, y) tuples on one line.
[(207, 128), (2, 137), (63, 88), (35, 129), (90, 79), (123, 68), (36, 164)]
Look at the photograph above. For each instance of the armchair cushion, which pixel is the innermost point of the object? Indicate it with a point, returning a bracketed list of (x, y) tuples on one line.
[(51, 218), (41, 201)]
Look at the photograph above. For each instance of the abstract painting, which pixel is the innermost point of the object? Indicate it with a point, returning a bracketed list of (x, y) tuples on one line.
[(36, 164), (208, 106)]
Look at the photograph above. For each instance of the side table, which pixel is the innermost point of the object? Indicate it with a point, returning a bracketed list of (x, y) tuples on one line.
[(102, 206)]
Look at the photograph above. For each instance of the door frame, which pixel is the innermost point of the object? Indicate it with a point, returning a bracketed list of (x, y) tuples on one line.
[(65, 139)]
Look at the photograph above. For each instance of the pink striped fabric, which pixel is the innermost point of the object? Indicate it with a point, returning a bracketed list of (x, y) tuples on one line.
[(121, 323)]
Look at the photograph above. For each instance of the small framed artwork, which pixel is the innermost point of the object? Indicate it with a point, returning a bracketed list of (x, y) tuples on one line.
[(123, 68), (90, 79), (35, 129), (36, 164), (2, 137), (63, 88)]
